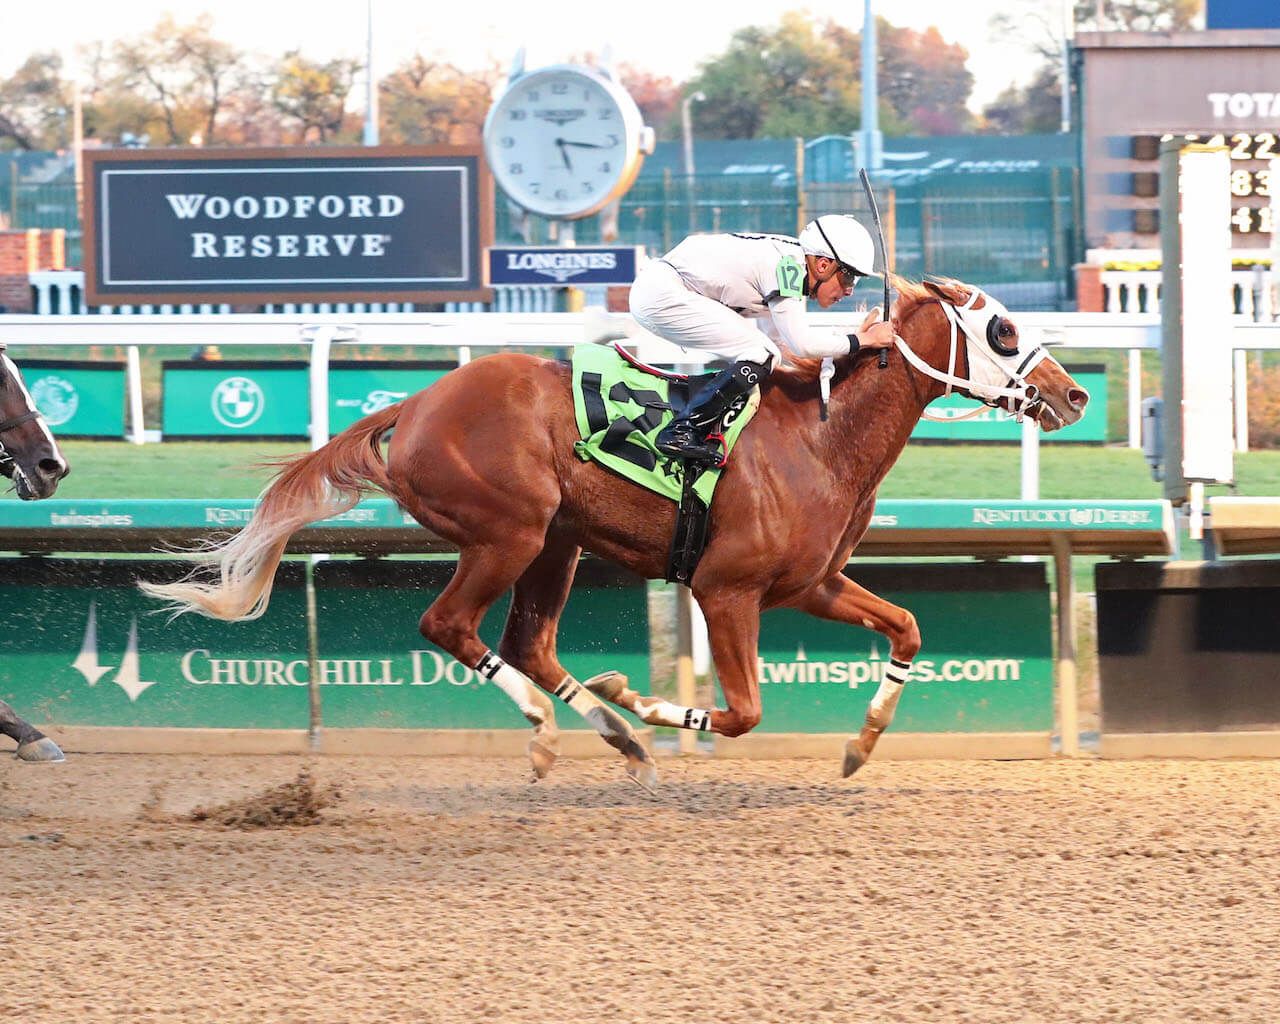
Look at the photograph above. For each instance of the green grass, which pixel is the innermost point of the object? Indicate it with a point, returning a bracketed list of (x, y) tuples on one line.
[(211, 469)]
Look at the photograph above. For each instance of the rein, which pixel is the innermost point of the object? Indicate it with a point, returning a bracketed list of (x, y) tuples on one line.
[(1022, 395)]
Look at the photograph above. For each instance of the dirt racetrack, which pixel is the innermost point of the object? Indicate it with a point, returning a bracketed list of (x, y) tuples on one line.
[(452, 890)]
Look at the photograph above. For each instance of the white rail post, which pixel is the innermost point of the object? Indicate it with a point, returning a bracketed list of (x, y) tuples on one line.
[(1030, 459), (1241, 391), (133, 384), (1135, 398), (1068, 714)]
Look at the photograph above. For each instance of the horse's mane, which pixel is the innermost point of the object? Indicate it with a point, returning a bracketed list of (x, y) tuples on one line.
[(911, 294)]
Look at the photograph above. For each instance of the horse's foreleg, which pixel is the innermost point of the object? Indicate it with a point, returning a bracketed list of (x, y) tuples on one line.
[(529, 641), (33, 745), (840, 599)]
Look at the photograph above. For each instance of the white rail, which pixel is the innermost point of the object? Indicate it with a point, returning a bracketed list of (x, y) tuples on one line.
[(462, 332)]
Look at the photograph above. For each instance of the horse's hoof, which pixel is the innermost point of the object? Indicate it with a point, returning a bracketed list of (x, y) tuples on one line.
[(607, 685), (43, 750), (542, 756), (854, 758), (644, 774)]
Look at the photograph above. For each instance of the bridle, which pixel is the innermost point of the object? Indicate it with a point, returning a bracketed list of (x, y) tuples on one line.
[(13, 421), (1023, 397)]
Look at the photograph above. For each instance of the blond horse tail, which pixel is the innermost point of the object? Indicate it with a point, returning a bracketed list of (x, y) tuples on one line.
[(233, 580)]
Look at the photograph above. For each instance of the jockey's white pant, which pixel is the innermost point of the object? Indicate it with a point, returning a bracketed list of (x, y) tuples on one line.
[(662, 304)]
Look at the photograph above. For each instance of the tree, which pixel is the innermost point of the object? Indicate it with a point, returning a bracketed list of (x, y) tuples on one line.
[(803, 78), (182, 75), (313, 96), (1036, 105), (777, 82), (425, 101), (35, 105), (1137, 15), (658, 98)]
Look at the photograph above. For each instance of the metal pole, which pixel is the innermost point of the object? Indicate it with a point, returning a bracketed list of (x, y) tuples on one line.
[(314, 717), (872, 158), (686, 128), (1135, 398), (1068, 31), (1068, 716), (371, 86)]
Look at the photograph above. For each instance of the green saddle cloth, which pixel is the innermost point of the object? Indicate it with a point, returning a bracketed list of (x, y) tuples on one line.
[(621, 409)]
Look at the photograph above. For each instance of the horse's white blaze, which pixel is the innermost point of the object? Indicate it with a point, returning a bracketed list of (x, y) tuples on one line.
[(13, 372)]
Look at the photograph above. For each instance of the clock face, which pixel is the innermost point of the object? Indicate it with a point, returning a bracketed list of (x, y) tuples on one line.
[(562, 142)]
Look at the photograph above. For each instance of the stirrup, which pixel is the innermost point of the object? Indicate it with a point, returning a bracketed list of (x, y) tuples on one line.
[(708, 452)]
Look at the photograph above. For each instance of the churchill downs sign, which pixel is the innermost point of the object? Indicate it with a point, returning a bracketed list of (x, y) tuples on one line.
[(191, 225)]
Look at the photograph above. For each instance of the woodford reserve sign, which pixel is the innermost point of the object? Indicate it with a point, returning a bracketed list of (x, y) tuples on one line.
[(292, 225)]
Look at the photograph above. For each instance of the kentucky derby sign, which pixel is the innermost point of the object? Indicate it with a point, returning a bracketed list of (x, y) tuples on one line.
[(286, 225), (563, 266)]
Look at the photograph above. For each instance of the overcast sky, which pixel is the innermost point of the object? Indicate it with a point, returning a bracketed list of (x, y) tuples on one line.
[(669, 37)]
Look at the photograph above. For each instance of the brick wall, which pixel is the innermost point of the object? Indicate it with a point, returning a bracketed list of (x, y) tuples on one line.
[(23, 252)]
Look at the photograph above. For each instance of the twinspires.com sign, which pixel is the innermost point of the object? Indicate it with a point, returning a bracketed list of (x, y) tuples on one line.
[(286, 225)]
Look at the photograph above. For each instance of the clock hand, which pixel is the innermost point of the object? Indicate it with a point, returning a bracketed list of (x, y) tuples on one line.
[(565, 154), (580, 145)]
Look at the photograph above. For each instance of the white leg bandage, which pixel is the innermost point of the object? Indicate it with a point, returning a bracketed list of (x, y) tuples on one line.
[(656, 711), (885, 702), (514, 683)]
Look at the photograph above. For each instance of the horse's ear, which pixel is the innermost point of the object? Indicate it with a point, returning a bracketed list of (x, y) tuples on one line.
[(946, 289)]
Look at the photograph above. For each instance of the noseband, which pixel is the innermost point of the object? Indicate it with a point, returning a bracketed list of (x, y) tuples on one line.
[(1022, 396)]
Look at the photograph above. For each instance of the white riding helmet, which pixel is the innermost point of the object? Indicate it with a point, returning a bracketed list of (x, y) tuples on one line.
[(839, 237)]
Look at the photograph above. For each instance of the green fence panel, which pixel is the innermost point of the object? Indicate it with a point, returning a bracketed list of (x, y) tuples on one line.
[(78, 399), (986, 664), (998, 425), (81, 645), (235, 398), (368, 614), (359, 388)]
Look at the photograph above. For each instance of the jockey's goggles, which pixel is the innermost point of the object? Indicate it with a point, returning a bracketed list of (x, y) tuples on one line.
[(848, 276)]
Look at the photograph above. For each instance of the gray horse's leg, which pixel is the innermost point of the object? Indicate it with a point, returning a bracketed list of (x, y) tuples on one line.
[(33, 745)]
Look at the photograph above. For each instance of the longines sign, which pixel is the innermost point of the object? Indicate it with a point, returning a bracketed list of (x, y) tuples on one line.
[(529, 265), (305, 224)]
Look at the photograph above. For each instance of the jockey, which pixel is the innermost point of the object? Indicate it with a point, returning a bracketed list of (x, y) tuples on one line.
[(704, 293)]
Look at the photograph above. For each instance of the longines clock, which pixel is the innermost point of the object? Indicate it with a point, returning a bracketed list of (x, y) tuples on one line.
[(565, 140)]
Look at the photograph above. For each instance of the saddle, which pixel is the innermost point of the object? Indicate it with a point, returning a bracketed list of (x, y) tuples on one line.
[(608, 389)]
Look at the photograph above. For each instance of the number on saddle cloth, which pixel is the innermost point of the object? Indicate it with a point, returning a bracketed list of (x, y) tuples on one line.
[(620, 406)]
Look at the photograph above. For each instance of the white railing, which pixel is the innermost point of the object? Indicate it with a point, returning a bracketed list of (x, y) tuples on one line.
[(62, 292), (462, 332), (1138, 291)]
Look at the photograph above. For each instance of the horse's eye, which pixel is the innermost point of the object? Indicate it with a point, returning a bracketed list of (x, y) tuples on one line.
[(1006, 329)]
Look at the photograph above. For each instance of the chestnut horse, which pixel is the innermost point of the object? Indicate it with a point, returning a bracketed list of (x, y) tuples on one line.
[(29, 456), (485, 458)]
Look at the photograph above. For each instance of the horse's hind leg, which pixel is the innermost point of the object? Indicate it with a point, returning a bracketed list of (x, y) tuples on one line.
[(33, 745), (529, 642), (840, 599), (452, 623)]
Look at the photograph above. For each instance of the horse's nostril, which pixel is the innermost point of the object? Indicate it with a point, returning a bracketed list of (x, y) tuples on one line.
[(54, 468), (1078, 397)]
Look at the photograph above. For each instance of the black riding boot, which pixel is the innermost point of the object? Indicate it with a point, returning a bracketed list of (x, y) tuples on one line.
[(685, 437)]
